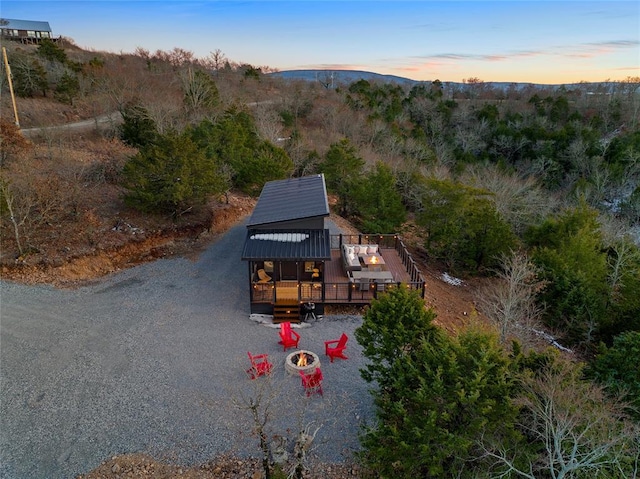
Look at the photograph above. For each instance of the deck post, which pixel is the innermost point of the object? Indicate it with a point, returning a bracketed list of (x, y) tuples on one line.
[(249, 263)]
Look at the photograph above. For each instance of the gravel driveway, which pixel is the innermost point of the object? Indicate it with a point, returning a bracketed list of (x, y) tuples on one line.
[(152, 359)]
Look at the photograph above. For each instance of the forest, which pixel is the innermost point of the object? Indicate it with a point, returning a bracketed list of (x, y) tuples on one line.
[(533, 188)]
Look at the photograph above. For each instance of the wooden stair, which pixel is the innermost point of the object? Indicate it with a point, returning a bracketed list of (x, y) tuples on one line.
[(286, 311)]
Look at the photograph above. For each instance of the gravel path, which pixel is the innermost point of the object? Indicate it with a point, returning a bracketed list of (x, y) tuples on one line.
[(152, 360)]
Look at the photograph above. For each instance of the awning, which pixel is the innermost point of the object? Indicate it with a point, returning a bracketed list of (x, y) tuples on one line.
[(287, 245)]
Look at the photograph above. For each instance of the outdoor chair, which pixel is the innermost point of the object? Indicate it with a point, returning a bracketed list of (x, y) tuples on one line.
[(288, 337), (312, 382), (335, 348), (263, 277), (260, 365)]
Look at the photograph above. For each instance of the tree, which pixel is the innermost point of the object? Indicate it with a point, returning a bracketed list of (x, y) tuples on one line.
[(138, 128), (170, 175), (573, 429), (521, 202), (216, 60), (436, 396), (17, 218), (67, 88), (343, 170), (617, 369), (52, 52), (29, 76), (200, 91), (378, 202), (462, 225), (394, 325), (233, 140), (568, 250), (510, 301)]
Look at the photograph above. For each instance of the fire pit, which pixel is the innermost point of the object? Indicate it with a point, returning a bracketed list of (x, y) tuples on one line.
[(302, 360)]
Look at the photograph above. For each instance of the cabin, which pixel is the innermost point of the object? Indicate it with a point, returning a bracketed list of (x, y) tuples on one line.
[(297, 265), (26, 31)]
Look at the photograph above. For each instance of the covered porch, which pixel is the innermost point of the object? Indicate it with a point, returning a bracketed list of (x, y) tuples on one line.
[(327, 281)]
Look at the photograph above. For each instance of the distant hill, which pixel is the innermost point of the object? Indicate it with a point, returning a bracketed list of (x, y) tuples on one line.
[(340, 77), (337, 78)]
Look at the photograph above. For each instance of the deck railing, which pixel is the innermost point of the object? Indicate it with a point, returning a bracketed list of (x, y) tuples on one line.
[(386, 241), (345, 292)]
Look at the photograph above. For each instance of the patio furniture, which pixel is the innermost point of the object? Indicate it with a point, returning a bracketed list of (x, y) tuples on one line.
[(288, 337), (260, 365), (263, 277), (312, 382), (335, 348)]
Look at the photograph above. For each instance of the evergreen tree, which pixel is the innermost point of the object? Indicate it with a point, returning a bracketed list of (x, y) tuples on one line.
[(234, 141), (617, 369), (52, 52), (436, 397), (462, 225), (138, 128), (170, 175), (29, 77), (343, 170), (67, 88), (378, 203), (568, 249)]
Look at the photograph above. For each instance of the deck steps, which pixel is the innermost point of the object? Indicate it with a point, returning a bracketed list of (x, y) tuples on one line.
[(286, 311)]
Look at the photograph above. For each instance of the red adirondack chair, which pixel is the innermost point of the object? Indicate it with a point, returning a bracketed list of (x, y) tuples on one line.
[(312, 382), (288, 337), (260, 365), (336, 351)]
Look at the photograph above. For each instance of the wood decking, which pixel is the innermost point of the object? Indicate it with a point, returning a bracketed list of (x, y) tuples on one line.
[(336, 287), (334, 271)]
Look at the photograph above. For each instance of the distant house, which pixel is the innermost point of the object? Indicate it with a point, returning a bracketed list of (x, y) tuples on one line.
[(295, 263), (26, 31)]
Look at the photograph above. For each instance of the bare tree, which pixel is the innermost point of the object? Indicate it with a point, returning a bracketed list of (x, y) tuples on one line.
[(268, 122), (260, 401), (580, 432), (215, 61), (510, 301), (18, 213), (520, 201)]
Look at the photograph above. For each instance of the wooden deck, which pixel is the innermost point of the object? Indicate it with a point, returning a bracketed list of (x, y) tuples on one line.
[(339, 287), (335, 286)]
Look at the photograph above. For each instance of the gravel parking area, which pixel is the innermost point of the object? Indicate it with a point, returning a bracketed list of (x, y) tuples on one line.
[(152, 360)]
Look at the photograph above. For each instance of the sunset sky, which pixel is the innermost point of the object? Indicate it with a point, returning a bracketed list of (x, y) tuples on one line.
[(511, 41)]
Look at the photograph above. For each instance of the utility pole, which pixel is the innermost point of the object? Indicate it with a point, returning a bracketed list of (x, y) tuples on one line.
[(13, 97)]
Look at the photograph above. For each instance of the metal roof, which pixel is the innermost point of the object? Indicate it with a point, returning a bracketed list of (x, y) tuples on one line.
[(292, 199), (293, 245), (26, 25)]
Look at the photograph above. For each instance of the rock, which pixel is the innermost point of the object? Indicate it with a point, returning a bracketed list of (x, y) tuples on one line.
[(116, 468)]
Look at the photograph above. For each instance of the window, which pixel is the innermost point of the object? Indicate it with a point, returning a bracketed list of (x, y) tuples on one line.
[(31, 33)]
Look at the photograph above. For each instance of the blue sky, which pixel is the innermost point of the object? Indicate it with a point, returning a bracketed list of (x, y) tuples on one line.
[(514, 41)]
